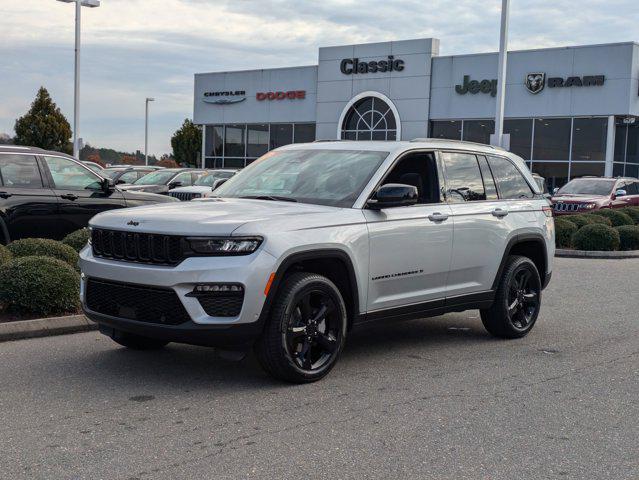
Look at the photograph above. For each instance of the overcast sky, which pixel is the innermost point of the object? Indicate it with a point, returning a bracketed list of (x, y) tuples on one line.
[(138, 48)]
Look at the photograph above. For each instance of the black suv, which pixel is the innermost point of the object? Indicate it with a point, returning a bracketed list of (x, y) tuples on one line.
[(50, 194)]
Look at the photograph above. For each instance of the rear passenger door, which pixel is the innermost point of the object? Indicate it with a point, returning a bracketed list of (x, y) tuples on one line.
[(28, 207), (480, 219)]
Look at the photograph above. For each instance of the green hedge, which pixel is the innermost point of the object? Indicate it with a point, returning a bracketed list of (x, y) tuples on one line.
[(39, 285), (599, 219), (77, 240), (564, 230), (628, 237), (581, 220), (5, 254), (44, 247), (615, 216), (632, 212), (596, 237)]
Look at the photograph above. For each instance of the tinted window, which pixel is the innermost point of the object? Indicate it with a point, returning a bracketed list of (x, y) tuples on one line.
[(450, 130), (234, 142), (19, 171), (510, 181), (257, 143), (555, 173), (632, 188), (214, 140), (463, 177), (589, 139), (552, 139), (68, 175), (489, 181), (478, 130), (520, 132), (304, 132), (281, 135)]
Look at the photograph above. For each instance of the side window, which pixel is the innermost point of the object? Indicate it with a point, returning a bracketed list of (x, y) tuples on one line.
[(184, 178), (128, 177), (489, 181), (418, 169), (632, 188), (463, 177), (68, 175), (196, 175), (141, 173), (510, 181), (19, 171)]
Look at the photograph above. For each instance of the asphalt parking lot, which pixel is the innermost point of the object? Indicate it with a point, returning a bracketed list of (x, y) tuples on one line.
[(435, 398)]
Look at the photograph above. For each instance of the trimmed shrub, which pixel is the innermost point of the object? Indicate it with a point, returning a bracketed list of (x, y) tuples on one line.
[(632, 212), (629, 237), (596, 237), (564, 230), (615, 216), (44, 247), (5, 254), (580, 220), (599, 219), (77, 240), (39, 285)]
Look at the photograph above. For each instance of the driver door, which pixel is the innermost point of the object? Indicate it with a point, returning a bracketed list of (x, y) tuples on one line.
[(79, 191)]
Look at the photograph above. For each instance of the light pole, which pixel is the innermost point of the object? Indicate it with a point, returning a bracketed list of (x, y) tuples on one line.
[(76, 87), (498, 138), (146, 130)]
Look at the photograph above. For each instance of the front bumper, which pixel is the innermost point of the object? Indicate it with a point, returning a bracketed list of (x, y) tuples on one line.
[(252, 271)]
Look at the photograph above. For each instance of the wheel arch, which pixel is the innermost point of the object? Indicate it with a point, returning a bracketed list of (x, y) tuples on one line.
[(531, 245), (334, 264)]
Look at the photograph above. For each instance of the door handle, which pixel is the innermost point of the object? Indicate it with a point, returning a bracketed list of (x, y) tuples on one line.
[(499, 213), (437, 217), (69, 196), (4, 195)]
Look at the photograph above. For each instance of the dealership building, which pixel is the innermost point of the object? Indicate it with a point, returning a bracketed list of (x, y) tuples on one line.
[(569, 111)]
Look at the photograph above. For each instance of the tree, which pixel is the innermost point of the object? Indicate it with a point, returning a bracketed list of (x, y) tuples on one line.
[(167, 162), (44, 126), (187, 143)]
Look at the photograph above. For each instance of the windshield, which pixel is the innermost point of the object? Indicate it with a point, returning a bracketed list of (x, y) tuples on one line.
[(587, 186), (323, 177), (207, 179), (110, 173), (160, 177)]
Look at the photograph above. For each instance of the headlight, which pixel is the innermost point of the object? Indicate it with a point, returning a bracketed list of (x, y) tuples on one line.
[(224, 246), (588, 206)]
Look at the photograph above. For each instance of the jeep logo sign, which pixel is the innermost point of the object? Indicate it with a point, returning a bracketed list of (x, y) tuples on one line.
[(477, 86), (352, 66)]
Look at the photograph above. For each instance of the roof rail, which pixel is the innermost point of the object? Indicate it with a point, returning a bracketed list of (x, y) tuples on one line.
[(335, 140), (446, 140), (18, 147)]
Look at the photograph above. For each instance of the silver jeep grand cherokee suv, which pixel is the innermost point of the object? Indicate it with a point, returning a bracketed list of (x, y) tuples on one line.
[(312, 240)]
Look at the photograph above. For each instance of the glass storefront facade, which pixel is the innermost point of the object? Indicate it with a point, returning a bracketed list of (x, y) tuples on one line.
[(626, 159), (237, 145), (558, 149)]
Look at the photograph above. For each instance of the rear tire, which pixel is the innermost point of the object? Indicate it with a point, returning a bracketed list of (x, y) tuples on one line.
[(136, 342), (306, 329), (517, 300)]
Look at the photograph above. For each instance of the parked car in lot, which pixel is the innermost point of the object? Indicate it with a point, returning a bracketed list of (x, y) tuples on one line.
[(341, 234), (587, 194), (203, 185), (96, 167), (123, 175), (164, 180), (50, 194)]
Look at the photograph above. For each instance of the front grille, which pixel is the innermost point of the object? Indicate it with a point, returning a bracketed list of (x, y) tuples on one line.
[(566, 207), (185, 196), (135, 302), (217, 305), (137, 247)]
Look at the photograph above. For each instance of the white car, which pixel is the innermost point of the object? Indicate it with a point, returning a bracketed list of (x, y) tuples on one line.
[(204, 185), (312, 240)]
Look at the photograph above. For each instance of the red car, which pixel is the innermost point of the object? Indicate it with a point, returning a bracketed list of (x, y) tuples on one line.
[(585, 194)]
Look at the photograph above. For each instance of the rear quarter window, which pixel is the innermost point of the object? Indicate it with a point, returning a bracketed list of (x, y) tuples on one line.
[(511, 184)]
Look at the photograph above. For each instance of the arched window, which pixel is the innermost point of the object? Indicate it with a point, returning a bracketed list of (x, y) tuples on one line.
[(369, 118)]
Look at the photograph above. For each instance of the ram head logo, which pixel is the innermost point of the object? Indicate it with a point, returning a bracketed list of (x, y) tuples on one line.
[(535, 82)]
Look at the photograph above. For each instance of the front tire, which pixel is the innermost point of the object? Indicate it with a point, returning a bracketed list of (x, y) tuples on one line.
[(136, 342), (305, 331), (517, 300)]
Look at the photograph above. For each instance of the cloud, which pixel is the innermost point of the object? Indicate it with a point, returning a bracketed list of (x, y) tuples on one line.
[(138, 48)]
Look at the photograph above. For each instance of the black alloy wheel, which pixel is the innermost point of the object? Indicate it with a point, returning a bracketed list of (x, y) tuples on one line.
[(523, 298)]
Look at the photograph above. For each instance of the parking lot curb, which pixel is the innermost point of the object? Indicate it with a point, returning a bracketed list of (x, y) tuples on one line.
[(560, 252), (44, 327)]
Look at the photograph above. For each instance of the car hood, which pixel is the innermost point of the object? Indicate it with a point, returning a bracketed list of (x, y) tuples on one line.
[(215, 216), (579, 198), (145, 188)]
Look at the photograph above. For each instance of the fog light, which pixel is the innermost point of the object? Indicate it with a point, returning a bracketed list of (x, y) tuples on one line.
[(219, 288)]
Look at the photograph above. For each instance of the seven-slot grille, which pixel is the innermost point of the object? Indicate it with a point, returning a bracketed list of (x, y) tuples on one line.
[(137, 247), (135, 302), (185, 196), (566, 207)]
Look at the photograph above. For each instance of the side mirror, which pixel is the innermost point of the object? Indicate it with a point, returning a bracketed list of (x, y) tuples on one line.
[(108, 185), (173, 185), (218, 182), (555, 190), (393, 195), (621, 193)]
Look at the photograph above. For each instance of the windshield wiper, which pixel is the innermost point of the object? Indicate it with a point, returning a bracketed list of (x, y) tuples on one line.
[(269, 197)]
